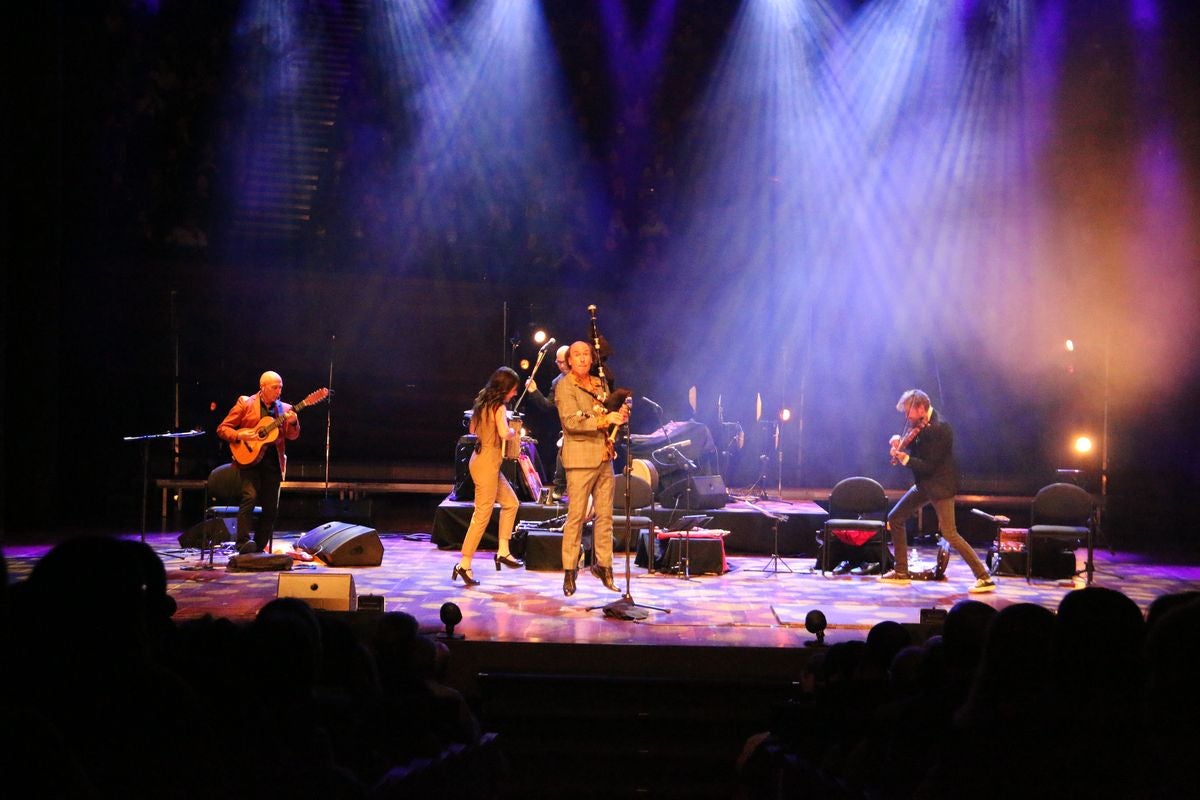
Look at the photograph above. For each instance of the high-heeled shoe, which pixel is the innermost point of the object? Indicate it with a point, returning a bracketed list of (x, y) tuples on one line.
[(507, 561), (465, 574)]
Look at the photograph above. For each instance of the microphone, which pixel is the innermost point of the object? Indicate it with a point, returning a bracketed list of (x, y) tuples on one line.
[(547, 345), (684, 443), (679, 453), (655, 405)]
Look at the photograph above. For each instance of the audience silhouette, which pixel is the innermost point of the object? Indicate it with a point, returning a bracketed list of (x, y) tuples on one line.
[(116, 699), (1094, 700)]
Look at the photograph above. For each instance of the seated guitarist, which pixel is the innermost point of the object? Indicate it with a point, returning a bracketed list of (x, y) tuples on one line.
[(587, 456), (261, 480)]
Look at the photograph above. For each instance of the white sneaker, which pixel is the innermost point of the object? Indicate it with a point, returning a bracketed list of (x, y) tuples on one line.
[(984, 584)]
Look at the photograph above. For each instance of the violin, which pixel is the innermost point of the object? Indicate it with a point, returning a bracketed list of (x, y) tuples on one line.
[(900, 443)]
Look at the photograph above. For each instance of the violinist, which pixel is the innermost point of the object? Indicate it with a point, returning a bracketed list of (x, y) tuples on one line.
[(587, 457), (489, 422), (927, 448)]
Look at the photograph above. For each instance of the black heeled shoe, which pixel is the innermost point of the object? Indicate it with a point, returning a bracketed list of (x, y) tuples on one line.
[(507, 561), (569, 582), (465, 574)]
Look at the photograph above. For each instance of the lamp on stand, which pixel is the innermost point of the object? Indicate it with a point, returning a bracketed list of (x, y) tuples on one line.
[(1085, 448), (785, 414)]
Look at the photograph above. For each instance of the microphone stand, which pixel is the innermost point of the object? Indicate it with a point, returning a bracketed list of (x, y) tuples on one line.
[(625, 608), (684, 563), (329, 415), (653, 540)]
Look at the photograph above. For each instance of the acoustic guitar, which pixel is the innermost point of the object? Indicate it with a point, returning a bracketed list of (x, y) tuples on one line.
[(248, 452)]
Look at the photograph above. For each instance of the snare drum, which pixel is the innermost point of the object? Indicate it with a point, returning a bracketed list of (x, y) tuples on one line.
[(645, 469)]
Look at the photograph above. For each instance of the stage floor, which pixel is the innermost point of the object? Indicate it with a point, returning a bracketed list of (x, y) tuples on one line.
[(757, 603)]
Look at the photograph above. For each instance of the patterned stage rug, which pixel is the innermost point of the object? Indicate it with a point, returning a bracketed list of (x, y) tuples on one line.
[(759, 602)]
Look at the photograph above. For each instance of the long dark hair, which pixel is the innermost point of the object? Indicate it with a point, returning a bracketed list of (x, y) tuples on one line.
[(503, 381)]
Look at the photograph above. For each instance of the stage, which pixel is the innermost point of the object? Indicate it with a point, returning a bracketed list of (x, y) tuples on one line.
[(758, 603)]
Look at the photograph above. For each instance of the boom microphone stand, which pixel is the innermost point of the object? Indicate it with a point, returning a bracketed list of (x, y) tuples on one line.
[(689, 467), (650, 543)]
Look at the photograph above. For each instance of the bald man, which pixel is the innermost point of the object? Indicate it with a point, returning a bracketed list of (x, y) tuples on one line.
[(546, 403), (587, 456), (261, 480)]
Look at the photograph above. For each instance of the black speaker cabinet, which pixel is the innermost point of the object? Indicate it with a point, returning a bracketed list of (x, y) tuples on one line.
[(342, 544), (1051, 562), (543, 550), (464, 487), (707, 491), (705, 556)]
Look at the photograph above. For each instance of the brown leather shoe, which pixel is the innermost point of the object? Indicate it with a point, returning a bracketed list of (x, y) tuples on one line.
[(606, 577), (569, 581)]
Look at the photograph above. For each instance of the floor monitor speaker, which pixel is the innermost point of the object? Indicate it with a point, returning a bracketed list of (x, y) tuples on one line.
[(330, 592), (707, 491), (342, 544)]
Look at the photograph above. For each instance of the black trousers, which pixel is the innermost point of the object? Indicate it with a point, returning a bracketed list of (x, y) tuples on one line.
[(260, 487)]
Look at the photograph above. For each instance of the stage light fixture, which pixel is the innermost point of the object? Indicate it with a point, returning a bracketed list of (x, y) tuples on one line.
[(524, 364), (1083, 444), (785, 414), (540, 336), (1070, 345), (451, 615)]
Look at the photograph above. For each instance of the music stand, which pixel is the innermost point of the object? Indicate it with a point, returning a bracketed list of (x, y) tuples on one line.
[(145, 439), (774, 562)]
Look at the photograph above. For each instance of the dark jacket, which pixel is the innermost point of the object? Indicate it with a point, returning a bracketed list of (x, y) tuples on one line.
[(931, 459), (545, 402)]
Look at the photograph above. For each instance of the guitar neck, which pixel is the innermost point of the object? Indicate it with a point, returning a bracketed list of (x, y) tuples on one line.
[(303, 404)]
